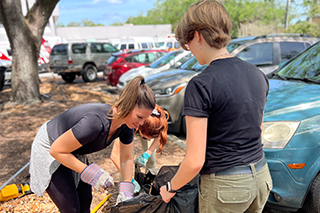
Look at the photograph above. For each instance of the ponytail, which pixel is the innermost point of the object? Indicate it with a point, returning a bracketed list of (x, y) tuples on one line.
[(136, 93)]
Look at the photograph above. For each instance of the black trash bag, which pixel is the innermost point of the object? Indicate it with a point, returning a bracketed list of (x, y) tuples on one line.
[(184, 201), (144, 180)]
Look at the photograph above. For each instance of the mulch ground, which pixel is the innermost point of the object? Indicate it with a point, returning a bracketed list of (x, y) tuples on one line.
[(19, 125)]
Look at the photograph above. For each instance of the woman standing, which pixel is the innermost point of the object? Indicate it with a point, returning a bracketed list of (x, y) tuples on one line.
[(58, 154), (223, 107)]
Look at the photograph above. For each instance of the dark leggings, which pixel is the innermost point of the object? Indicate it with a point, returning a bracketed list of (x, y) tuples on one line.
[(66, 196)]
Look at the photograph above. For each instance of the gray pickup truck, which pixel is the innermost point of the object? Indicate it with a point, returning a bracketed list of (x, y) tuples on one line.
[(84, 58)]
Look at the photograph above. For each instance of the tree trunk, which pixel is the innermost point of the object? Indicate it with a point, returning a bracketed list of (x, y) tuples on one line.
[(25, 36)]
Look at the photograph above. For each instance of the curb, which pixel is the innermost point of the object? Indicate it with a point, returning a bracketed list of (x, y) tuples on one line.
[(177, 141)]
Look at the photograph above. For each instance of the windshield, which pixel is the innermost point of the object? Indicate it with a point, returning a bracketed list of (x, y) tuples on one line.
[(165, 59), (236, 43), (305, 67), (192, 64)]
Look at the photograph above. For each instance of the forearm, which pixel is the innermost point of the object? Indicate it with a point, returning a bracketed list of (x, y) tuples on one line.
[(187, 171), (155, 144), (127, 170), (70, 161)]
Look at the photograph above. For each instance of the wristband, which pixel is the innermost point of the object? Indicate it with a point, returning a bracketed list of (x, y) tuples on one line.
[(169, 189)]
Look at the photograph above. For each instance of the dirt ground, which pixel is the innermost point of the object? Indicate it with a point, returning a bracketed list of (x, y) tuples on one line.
[(19, 125)]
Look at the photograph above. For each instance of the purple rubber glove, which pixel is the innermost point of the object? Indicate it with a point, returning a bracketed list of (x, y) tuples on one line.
[(96, 177), (126, 190)]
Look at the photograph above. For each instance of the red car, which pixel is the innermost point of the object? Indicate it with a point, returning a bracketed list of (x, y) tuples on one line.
[(122, 62)]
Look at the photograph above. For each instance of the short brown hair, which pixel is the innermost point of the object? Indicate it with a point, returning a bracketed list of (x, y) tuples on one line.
[(136, 93), (209, 18)]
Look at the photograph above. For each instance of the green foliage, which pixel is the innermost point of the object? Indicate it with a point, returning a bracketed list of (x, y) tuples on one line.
[(248, 11), (117, 24), (84, 23), (60, 24), (304, 27), (240, 11), (74, 24), (312, 7)]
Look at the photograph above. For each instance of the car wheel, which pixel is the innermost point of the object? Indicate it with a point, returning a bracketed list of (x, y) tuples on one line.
[(312, 202), (1, 79), (89, 73), (183, 125), (68, 77)]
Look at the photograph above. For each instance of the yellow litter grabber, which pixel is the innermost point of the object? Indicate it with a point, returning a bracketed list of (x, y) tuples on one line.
[(14, 190)]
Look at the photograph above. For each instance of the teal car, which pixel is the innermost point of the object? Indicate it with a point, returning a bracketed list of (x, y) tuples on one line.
[(291, 133)]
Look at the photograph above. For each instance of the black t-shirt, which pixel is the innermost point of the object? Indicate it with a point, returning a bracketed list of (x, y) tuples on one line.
[(90, 126), (232, 94)]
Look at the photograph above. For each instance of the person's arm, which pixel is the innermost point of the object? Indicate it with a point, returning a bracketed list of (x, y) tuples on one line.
[(115, 154), (194, 157), (61, 150), (155, 144), (126, 161)]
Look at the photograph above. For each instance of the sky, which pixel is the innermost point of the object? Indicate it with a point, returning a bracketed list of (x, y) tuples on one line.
[(101, 11)]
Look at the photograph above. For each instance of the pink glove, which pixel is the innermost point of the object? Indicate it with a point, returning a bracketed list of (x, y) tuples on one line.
[(96, 177)]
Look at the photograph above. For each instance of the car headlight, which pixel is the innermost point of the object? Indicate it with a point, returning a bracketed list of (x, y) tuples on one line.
[(168, 91), (277, 134)]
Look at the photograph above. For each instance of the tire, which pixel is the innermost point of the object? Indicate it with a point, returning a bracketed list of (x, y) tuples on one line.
[(183, 125), (89, 73), (312, 202), (68, 77), (1, 78)]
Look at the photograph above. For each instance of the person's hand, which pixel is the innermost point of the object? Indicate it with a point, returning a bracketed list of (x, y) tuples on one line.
[(142, 159), (96, 177), (136, 186), (126, 190), (166, 196)]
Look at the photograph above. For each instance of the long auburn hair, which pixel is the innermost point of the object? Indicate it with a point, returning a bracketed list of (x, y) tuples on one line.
[(156, 125)]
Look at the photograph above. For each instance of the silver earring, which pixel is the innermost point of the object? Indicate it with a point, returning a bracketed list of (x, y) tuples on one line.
[(198, 43)]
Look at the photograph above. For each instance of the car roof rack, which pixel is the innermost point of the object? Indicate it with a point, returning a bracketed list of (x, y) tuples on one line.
[(283, 34)]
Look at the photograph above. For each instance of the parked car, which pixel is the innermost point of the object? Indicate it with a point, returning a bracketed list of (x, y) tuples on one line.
[(170, 60), (85, 59), (169, 89), (291, 133), (268, 51), (122, 62), (5, 73), (136, 43)]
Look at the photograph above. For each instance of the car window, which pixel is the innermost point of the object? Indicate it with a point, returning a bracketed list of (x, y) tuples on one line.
[(123, 46), (96, 48), (304, 67), (189, 64), (160, 54), (139, 58), (131, 46), (290, 49), (185, 58), (176, 45), (59, 50), (144, 45), (257, 54), (236, 43), (169, 45), (112, 59), (307, 45), (79, 48), (164, 59), (150, 58), (108, 48)]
